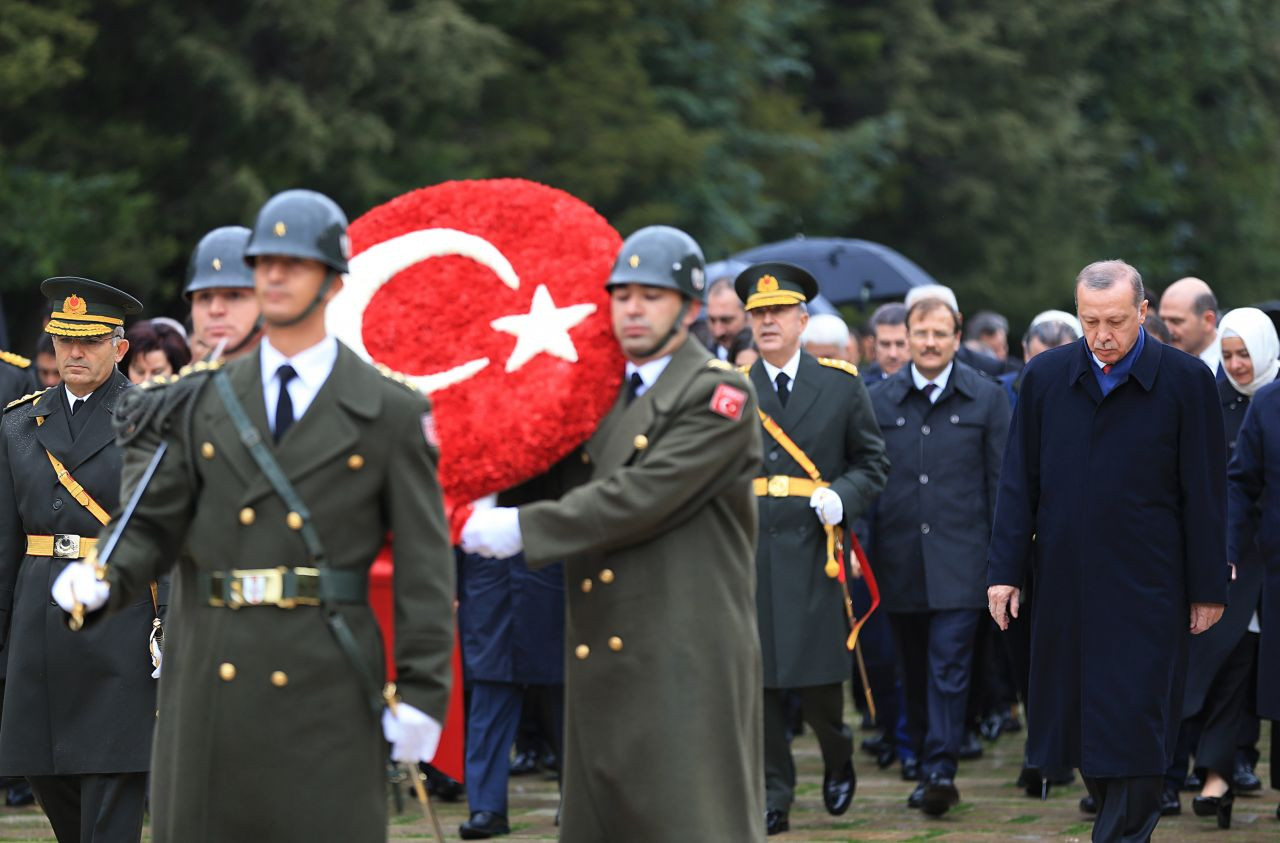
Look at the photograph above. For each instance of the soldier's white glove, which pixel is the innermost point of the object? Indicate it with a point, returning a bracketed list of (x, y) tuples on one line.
[(414, 735), (827, 506), (78, 583), (493, 532)]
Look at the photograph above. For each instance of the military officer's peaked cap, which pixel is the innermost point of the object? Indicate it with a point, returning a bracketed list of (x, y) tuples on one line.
[(218, 261), (85, 308), (775, 283)]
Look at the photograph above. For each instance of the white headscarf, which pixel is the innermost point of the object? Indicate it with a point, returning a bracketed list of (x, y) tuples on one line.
[(1258, 332)]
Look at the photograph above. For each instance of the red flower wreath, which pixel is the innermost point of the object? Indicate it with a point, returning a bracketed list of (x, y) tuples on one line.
[(530, 404)]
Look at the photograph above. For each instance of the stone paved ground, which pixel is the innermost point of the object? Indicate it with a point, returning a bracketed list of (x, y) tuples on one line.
[(992, 809)]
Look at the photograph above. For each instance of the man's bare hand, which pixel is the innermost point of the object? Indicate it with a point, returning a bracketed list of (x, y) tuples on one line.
[(1204, 615), (1002, 602)]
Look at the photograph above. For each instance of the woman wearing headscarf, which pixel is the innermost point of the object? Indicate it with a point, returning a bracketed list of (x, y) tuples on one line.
[(1222, 660)]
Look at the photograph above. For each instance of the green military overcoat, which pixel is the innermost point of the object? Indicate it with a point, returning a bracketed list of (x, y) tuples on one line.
[(264, 730), (803, 625), (663, 730)]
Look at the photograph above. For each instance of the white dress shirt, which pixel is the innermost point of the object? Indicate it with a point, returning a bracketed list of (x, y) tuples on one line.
[(649, 373), (313, 367), (72, 399), (1212, 355), (940, 381), (790, 367)]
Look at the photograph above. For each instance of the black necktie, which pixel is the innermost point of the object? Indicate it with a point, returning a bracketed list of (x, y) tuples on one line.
[(634, 384), (929, 389), (76, 405), (284, 404), (783, 381)]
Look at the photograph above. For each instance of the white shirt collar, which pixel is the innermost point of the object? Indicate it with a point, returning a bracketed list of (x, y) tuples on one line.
[(792, 366), (649, 372), (940, 381), (313, 366), (1212, 355), (72, 399)]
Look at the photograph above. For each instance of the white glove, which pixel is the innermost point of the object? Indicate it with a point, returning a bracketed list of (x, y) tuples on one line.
[(79, 583), (493, 532), (414, 735), (827, 506)]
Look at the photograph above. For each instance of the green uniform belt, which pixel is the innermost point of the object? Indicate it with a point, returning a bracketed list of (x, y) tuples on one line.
[(286, 588)]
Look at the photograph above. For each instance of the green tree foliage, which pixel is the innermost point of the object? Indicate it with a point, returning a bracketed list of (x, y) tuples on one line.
[(1002, 144)]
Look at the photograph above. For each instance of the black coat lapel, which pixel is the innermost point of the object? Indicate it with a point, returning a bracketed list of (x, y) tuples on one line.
[(98, 431), (805, 390), (764, 391), (53, 433)]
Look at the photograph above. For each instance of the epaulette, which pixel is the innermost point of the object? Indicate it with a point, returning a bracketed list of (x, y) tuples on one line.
[(392, 375), (746, 370), (24, 399), (717, 363), (15, 359), (842, 365), (193, 368)]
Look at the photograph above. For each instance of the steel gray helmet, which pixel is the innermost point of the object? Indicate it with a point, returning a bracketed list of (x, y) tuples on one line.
[(218, 261), (302, 224), (661, 256)]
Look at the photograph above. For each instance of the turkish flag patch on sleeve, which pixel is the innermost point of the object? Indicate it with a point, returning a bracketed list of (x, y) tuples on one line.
[(728, 401)]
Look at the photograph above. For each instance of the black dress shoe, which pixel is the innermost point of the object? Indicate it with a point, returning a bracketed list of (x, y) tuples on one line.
[(838, 788), (1244, 779), (911, 770), (445, 788), (1170, 805), (916, 799), (483, 825), (524, 763), (19, 794), (776, 822), (1088, 805), (1215, 806), (971, 748), (939, 795)]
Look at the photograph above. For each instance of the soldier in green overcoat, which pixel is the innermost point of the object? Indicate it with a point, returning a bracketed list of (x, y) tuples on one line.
[(267, 726), (824, 463), (662, 686)]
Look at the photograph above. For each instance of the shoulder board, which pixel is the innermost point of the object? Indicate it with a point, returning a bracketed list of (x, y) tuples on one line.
[(192, 369), (717, 363), (392, 375), (746, 370), (842, 365), (15, 359), (24, 399)]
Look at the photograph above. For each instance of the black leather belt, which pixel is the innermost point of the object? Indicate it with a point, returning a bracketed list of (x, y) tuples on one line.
[(284, 588)]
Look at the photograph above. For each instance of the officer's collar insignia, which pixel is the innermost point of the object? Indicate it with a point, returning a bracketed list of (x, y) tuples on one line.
[(280, 229), (766, 284), (634, 261), (217, 264), (74, 305)]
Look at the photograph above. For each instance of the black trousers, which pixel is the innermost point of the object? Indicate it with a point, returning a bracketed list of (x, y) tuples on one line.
[(823, 707), (1224, 705), (1128, 808), (95, 808), (937, 652)]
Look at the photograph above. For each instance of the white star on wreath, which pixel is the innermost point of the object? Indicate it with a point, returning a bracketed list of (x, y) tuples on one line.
[(544, 328)]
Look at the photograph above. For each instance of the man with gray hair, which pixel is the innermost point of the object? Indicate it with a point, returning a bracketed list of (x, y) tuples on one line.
[(1112, 496), (1190, 311), (826, 335)]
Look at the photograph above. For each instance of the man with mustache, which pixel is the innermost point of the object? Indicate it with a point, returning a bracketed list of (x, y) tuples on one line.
[(824, 463), (1113, 495)]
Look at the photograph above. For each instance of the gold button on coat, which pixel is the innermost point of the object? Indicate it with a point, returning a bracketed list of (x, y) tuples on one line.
[(586, 585), (586, 458), (355, 462), (294, 520), (606, 576), (227, 671), (641, 442), (206, 450), (247, 515), (615, 643), (582, 651), (279, 678)]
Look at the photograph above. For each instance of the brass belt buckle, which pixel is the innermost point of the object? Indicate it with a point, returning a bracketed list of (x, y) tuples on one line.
[(779, 486), (256, 587), (66, 546)]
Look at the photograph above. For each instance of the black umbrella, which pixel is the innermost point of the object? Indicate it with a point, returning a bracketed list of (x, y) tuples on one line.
[(848, 271)]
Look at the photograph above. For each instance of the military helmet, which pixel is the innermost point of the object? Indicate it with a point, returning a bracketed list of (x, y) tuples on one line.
[(302, 224), (661, 256), (218, 260)]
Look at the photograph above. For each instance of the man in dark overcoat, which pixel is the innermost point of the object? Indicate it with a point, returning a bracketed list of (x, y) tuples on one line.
[(79, 708), (271, 724), (662, 683), (944, 427), (1113, 492), (822, 408)]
